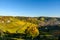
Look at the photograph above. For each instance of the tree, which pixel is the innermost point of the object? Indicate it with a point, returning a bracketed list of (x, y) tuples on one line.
[(42, 19), (32, 31)]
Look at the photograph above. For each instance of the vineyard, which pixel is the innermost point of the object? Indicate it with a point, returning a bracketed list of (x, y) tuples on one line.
[(29, 28)]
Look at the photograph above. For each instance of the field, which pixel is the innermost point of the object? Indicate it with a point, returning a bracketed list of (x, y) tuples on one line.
[(29, 28)]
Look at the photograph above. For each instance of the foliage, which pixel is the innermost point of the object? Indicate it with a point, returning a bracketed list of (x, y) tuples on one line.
[(27, 25)]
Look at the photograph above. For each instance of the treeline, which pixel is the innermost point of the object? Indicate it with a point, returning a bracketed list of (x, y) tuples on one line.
[(41, 21)]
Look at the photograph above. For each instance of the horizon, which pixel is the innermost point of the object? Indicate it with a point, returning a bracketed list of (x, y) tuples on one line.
[(29, 16)]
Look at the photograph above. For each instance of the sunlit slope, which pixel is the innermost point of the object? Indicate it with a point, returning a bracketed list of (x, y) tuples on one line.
[(13, 25)]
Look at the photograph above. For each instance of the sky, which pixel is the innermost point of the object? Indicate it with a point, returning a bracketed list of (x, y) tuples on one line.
[(30, 8)]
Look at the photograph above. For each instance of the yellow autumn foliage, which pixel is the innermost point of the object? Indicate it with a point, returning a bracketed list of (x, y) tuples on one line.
[(12, 25), (32, 31)]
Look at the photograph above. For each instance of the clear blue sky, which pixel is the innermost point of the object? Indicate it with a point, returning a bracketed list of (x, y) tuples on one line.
[(30, 7)]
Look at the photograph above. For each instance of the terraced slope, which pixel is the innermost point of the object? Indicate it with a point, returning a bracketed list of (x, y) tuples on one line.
[(14, 25)]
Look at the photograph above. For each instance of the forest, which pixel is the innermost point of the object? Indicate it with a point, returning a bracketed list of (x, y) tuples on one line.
[(29, 28)]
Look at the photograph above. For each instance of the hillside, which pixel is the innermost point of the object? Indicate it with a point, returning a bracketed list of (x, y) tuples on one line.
[(12, 24), (29, 27)]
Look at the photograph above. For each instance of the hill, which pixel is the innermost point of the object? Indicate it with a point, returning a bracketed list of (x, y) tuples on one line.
[(29, 26)]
